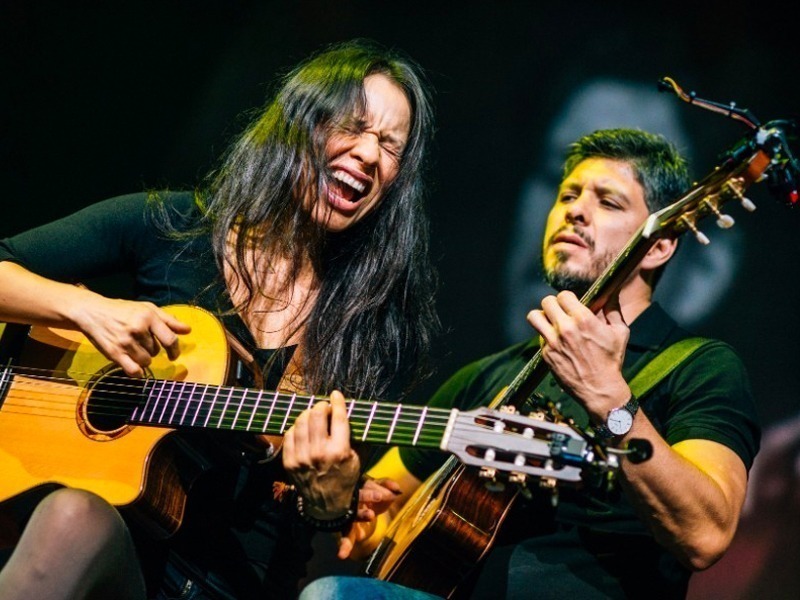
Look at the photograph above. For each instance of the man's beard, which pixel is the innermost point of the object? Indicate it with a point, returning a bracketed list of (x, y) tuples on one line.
[(562, 279)]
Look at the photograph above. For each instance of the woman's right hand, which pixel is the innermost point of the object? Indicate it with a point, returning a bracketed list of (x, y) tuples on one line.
[(128, 332)]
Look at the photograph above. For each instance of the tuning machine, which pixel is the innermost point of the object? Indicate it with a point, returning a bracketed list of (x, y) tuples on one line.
[(492, 483), (711, 203), (735, 188), (688, 223)]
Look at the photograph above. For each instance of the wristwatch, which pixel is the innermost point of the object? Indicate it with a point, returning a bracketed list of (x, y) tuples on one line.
[(619, 420)]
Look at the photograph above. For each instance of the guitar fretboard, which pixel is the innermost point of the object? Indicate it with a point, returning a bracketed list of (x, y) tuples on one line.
[(196, 405)]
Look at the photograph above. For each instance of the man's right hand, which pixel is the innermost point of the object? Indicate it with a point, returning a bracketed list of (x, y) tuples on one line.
[(375, 498)]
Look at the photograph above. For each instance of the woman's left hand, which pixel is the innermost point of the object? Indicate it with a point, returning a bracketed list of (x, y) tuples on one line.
[(320, 461)]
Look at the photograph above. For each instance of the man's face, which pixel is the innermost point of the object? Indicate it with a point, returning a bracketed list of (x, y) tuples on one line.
[(599, 207), (361, 164)]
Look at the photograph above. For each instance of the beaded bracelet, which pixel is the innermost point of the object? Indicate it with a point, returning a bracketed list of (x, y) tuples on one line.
[(336, 524)]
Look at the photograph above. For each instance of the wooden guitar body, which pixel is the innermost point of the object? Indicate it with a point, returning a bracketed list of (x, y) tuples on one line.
[(53, 432), (450, 523)]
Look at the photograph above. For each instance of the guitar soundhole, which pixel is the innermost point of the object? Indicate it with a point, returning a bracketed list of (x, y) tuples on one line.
[(112, 398)]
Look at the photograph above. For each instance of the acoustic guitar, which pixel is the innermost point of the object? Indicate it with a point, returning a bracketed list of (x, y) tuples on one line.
[(69, 417), (449, 525)]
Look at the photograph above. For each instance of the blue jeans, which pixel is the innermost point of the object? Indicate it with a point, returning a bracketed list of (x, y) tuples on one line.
[(337, 587)]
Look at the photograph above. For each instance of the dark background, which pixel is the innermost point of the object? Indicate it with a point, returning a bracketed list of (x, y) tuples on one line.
[(100, 99)]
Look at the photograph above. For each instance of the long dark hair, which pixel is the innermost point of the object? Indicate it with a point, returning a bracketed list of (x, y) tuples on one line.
[(373, 319)]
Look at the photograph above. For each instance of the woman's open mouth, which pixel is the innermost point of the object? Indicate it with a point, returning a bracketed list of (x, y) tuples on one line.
[(345, 191)]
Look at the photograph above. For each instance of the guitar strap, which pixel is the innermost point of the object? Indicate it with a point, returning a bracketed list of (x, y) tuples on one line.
[(657, 369), (292, 378), (246, 359), (664, 363)]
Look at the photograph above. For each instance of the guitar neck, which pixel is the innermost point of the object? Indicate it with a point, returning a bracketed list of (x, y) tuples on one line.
[(598, 294), (201, 406)]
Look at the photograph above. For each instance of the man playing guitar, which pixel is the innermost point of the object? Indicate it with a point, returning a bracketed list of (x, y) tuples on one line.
[(659, 520)]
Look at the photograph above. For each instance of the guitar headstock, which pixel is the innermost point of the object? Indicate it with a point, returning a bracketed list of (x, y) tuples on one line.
[(507, 444), (766, 154), (763, 156)]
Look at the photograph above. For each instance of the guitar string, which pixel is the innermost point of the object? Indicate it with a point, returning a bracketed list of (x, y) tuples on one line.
[(137, 389), (430, 440), (425, 438), (456, 438), (503, 461), (382, 412), (22, 403), (398, 426)]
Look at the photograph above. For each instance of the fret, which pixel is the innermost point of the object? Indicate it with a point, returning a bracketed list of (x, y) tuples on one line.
[(224, 409), (166, 404), (192, 404), (135, 413), (394, 423), (271, 408), (188, 402), (6, 377), (211, 408), (239, 410), (369, 421), (176, 403), (255, 410), (288, 412), (156, 400), (142, 415), (419, 425), (199, 405)]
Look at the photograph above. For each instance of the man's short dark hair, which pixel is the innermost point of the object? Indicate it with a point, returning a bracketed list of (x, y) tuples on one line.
[(658, 166)]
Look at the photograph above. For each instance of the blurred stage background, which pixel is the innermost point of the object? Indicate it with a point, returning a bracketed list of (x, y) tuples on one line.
[(104, 100)]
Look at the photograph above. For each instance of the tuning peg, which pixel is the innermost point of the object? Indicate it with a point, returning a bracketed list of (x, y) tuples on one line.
[(699, 235), (549, 483), (723, 221), (539, 415), (735, 188), (490, 475), (521, 480), (518, 478), (747, 204)]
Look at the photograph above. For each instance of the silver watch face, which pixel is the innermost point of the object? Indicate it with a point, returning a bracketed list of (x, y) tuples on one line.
[(619, 421)]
